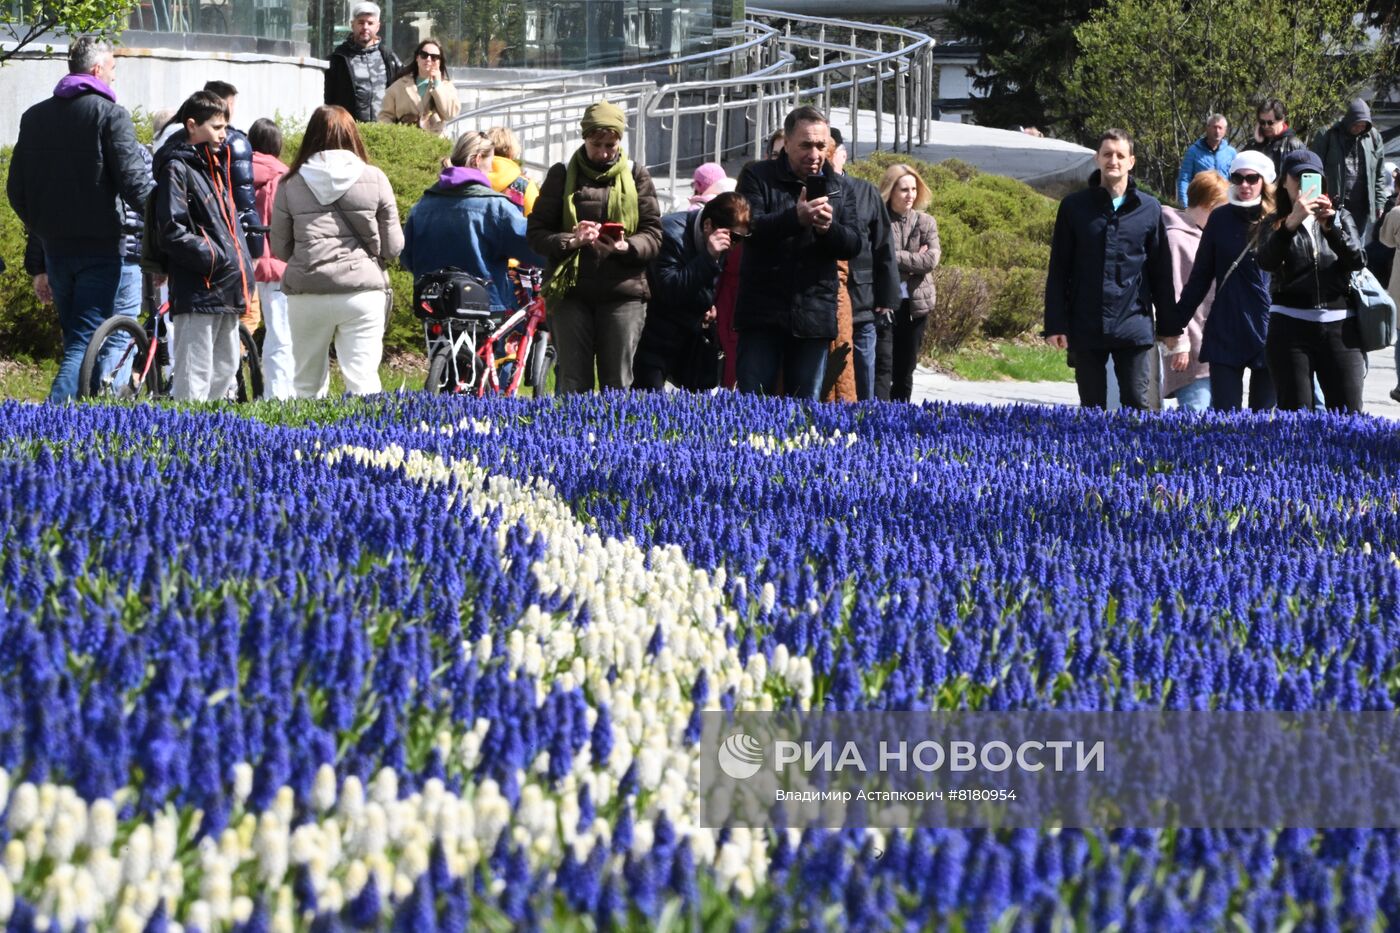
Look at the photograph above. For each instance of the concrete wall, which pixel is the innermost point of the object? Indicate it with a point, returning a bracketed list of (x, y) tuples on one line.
[(150, 79)]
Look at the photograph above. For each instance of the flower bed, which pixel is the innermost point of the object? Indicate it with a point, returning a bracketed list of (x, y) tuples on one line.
[(444, 660)]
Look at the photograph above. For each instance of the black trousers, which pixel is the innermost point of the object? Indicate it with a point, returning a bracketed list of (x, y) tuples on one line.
[(1131, 367), (1227, 388), (897, 347), (1295, 350), (884, 360)]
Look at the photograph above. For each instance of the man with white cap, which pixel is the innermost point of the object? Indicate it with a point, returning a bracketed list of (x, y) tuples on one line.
[(1232, 340), (361, 67)]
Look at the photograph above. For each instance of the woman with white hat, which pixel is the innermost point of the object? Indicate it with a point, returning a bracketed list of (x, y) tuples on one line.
[(1235, 332)]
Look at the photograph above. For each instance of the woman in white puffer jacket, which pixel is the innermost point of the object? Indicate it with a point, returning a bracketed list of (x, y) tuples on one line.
[(335, 224)]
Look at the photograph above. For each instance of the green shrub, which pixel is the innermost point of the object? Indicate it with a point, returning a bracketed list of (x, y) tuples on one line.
[(996, 229), (27, 328), (962, 303), (1017, 303)]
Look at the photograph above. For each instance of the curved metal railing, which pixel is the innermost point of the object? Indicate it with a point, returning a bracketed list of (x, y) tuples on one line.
[(742, 97)]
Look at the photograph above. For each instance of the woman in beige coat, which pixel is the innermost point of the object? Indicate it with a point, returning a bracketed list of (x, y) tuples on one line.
[(335, 224), (422, 95), (914, 236)]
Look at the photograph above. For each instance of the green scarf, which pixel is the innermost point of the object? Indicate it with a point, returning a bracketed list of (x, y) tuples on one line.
[(622, 208)]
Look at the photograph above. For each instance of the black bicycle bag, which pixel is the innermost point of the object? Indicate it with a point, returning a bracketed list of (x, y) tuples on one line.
[(451, 294)]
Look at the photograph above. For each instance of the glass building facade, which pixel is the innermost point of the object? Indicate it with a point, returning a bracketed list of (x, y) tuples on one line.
[(534, 34)]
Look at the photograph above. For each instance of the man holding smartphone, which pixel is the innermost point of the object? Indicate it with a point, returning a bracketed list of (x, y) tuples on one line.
[(801, 223)]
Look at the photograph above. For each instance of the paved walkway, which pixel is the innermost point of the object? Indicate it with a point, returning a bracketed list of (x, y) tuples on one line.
[(931, 386)]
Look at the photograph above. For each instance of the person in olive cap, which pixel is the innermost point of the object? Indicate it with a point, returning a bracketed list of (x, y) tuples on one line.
[(598, 225), (1353, 166)]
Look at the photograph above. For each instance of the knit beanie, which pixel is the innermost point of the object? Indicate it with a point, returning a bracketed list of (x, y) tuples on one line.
[(705, 176)]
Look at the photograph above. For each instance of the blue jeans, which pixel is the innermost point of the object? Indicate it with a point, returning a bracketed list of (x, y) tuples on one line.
[(1195, 396), (84, 295), (863, 345), (763, 354)]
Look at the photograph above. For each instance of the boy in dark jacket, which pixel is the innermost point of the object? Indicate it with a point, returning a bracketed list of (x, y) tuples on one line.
[(1109, 263), (197, 229), (695, 248)]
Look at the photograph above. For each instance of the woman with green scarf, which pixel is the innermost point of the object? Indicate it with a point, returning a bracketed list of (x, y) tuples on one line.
[(597, 224)]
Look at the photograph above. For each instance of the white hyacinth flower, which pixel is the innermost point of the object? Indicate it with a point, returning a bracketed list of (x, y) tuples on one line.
[(323, 790)]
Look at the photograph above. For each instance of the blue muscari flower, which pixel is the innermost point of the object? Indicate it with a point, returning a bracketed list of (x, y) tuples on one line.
[(417, 913), (258, 921), (157, 922), (622, 831), (455, 916), (682, 879), (609, 904), (304, 890), (363, 911), (600, 743)]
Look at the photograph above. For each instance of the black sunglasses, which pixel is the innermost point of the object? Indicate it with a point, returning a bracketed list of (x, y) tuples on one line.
[(1240, 178), (436, 58)]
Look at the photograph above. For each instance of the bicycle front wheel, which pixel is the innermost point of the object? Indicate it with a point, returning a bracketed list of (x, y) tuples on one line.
[(439, 372), (115, 364)]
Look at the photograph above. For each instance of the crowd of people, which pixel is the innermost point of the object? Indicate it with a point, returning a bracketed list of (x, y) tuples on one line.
[(794, 278), (1252, 276)]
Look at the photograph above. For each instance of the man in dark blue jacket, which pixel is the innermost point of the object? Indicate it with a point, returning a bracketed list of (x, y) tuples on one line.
[(695, 247), (76, 161), (786, 310), (1109, 264)]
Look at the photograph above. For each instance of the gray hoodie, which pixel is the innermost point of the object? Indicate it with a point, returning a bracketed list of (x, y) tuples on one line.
[(333, 222), (1366, 169)]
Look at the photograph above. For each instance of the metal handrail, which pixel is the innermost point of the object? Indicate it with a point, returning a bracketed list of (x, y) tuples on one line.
[(759, 37), (732, 117)]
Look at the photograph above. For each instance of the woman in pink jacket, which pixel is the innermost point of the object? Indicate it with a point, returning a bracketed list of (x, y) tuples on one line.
[(1185, 377), (268, 170)]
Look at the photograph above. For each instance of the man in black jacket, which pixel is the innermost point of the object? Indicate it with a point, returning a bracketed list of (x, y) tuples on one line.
[(1273, 136), (361, 67), (786, 310), (685, 276), (76, 161), (1109, 263)]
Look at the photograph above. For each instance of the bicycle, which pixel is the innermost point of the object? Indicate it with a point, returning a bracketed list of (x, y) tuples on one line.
[(127, 360), (465, 355)]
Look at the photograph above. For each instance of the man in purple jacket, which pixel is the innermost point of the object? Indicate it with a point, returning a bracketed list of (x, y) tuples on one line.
[(75, 163)]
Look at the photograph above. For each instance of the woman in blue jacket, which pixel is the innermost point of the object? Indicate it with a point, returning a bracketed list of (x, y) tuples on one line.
[(461, 221), (1233, 339)]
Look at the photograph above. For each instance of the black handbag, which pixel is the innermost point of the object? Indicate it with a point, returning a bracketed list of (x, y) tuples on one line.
[(702, 364)]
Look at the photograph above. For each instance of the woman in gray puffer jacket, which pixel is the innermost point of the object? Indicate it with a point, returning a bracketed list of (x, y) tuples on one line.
[(335, 224), (914, 235)]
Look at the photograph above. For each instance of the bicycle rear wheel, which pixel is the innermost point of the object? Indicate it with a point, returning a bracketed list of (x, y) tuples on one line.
[(250, 376), (115, 361), (439, 372)]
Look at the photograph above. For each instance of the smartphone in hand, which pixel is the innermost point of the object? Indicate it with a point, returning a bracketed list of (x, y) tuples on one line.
[(1310, 185), (816, 186), (613, 231)]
